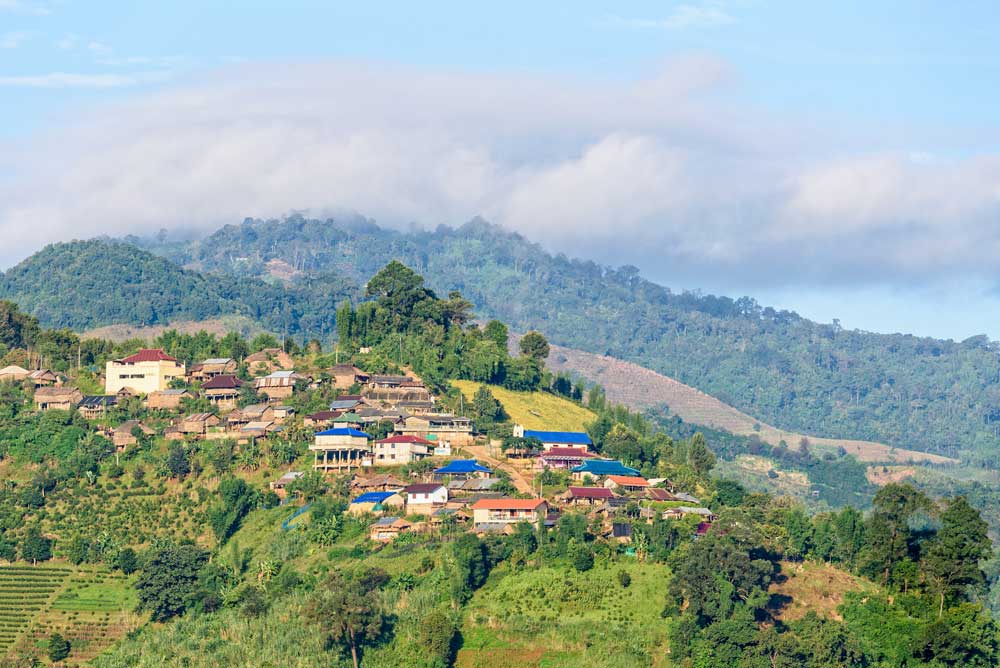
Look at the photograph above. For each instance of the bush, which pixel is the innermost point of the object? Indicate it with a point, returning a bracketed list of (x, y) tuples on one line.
[(583, 558), (58, 647), (624, 579)]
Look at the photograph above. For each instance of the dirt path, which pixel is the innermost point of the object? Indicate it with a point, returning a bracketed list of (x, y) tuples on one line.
[(481, 453)]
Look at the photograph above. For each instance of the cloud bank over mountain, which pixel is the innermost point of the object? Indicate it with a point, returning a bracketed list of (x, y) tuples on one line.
[(673, 172)]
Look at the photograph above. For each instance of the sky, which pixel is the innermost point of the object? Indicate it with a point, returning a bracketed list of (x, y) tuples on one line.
[(838, 159)]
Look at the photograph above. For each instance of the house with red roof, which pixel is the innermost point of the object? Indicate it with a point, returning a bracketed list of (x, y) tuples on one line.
[(401, 449), (508, 511), (148, 370)]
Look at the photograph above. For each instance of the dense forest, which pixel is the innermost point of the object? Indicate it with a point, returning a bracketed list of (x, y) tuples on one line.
[(914, 392)]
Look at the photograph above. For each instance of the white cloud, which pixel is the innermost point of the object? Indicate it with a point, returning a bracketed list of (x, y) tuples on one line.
[(669, 173), (70, 80), (98, 47)]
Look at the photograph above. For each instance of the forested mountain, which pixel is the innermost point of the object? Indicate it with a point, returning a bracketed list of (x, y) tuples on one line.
[(909, 391), (85, 284), (905, 390)]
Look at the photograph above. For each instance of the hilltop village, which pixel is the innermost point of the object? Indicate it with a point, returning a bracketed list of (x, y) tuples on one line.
[(424, 491)]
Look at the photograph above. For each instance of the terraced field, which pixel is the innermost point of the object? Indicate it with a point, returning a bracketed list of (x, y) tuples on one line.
[(91, 607), (25, 592)]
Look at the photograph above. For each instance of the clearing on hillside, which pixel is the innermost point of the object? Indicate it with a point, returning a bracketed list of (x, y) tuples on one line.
[(534, 410), (91, 607), (640, 388), (561, 618), (812, 587)]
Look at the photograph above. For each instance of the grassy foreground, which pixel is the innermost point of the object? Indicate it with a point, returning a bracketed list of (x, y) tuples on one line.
[(534, 410)]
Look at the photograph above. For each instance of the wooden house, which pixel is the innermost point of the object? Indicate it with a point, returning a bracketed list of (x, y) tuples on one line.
[(45, 378), (198, 423), (97, 406), (13, 374), (167, 399), (57, 398), (222, 391), (280, 485), (387, 529), (563, 458), (442, 428), (341, 448), (278, 385), (346, 375), (320, 418), (210, 368), (122, 436), (378, 483)]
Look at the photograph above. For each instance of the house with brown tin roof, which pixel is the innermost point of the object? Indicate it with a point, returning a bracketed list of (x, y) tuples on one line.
[(508, 511), (57, 398)]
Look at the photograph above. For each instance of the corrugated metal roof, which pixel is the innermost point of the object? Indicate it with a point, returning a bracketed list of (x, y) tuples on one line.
[(570, 437)]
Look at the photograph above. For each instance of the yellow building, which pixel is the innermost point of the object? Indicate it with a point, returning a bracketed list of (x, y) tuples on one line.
[(145, 372)]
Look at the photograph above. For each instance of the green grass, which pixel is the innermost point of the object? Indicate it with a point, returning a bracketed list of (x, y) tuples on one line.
[(557, 617), (534, 410), (110, 595)]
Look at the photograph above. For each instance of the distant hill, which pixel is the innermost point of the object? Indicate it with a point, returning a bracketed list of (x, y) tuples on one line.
[(89, 284), (798, 375)]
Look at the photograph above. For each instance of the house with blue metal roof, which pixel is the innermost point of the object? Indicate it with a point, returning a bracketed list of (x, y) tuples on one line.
[(557, 439), (341, 448), (375, 502), (463, 469), (601, 467)]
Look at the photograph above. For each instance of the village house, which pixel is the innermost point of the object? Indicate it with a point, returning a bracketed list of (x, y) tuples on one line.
[(211, 368), (681, 511), (346, 402), (443, 428), (167, 399), (599, 468), (508, 511), (587, 496), (96, 406), (222, 391), (626, 483), (394, 389), (268, 360), (563, 458), (387, 529), (239, 418), (57, 398), (378, 483), (278, 384), (198, 424), (259, 429), (423, 497), (280, 486), (282, 413), (13, 374), (341, 448), (320, 418), (122, 436), (462, 469), (472, 485), (556, 439), (399, 449), (144, 372), (346, 375), (375, 502), (45, 378)]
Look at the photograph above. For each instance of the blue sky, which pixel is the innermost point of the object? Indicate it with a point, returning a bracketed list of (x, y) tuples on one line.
[(868, 131)]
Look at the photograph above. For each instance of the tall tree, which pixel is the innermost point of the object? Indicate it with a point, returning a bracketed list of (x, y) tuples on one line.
[(953, 557), (534, 345), (348, 609), (169, 580)]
